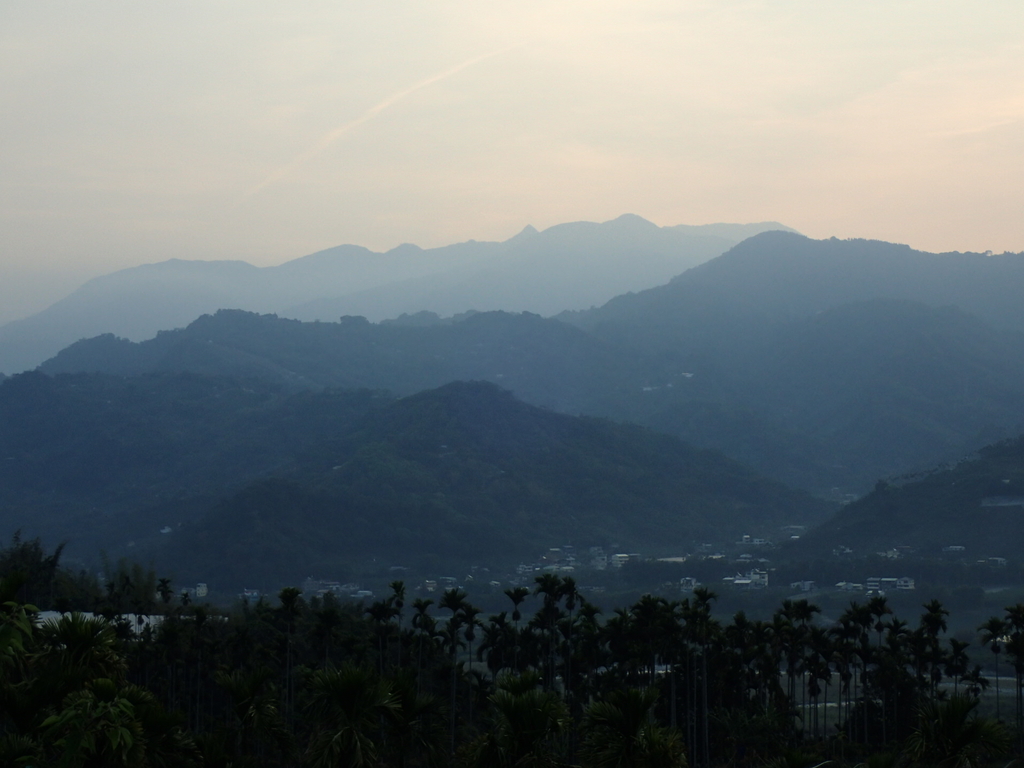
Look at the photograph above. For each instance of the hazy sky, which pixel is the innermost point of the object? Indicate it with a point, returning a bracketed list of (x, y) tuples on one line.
[(135, 132)]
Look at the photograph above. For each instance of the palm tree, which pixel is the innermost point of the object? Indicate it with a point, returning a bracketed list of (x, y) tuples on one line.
[(933, 622), (517, 595), (291, 609), (381, 612), (527, 721), (346, 708), (992, 635), (878, 607), (803, 614), (1014, 647), (254, 709), (469, 616), (857, 620), (76, 649), (974, 682), (957, 662), (593, 650), (701, 629), (569, 596), (494, 646), (818, 663), (619, 732), (415, 726), (327, 622), (951, 735), (549, 585), (398, 603), (790, 640), (899, 642), (425, 626), (453, 600), (165, 591)]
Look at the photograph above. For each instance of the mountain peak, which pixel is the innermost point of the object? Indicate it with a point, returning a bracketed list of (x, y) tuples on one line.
[(632, 220), (526, 232), (404, 249)]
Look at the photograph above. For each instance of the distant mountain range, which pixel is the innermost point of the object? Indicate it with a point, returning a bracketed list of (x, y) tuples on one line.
[(569, 266), (852, 359), (783, 275), (822, 364), (254, 486), (833, 366)]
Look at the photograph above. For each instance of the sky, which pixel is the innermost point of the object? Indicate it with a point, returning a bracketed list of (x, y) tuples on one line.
[(263, 131)]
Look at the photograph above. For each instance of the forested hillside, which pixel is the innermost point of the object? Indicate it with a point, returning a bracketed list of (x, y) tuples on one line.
[(833, 400), (543, 361), (975, 506), (254, 483)]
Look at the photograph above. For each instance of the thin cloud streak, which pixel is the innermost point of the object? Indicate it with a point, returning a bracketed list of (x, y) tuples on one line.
[(368, 115)]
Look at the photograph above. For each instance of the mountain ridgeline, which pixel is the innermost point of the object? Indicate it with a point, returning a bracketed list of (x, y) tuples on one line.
[(568, 266), (820, 387), (251, 484), (824, 365)]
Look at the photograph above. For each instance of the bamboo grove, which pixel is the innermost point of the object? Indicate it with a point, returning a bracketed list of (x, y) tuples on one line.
[(431, 681)]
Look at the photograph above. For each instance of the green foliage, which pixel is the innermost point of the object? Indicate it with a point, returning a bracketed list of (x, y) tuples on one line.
[(96, 726), (950, 734), (16, 622), (619, 732), (347, 704), (658, 683), (66, 700), (526, 727)]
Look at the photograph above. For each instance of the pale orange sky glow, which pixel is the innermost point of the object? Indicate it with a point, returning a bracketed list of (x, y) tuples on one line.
[(263, 131)]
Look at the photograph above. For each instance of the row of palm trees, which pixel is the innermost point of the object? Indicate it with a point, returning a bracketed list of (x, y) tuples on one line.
[(863, 676), (318, 682)]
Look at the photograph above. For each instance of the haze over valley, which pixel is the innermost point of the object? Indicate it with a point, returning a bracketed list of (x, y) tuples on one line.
[(798, 374), (569, 266)]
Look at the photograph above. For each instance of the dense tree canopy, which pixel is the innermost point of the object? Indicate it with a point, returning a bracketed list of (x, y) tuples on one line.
[(307, 680)]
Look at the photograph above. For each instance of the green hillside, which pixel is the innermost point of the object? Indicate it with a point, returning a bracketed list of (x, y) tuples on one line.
[(543, 361), (977, 504), (256, 484)]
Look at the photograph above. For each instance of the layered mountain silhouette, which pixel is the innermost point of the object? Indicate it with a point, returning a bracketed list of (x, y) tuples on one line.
[(543, 361), (253, 485), (776, 276), (822, 364), (568, 266)]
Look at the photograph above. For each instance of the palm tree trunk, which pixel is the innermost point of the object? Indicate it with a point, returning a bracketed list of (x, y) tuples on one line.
[(997, 687), (828, 679), (452, 719), (704, 703), (672, 688)]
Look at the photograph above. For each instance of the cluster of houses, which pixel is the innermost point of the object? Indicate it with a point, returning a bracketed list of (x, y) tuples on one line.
[(877, 585), (752, 571), (752, 579), (566, 560)]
